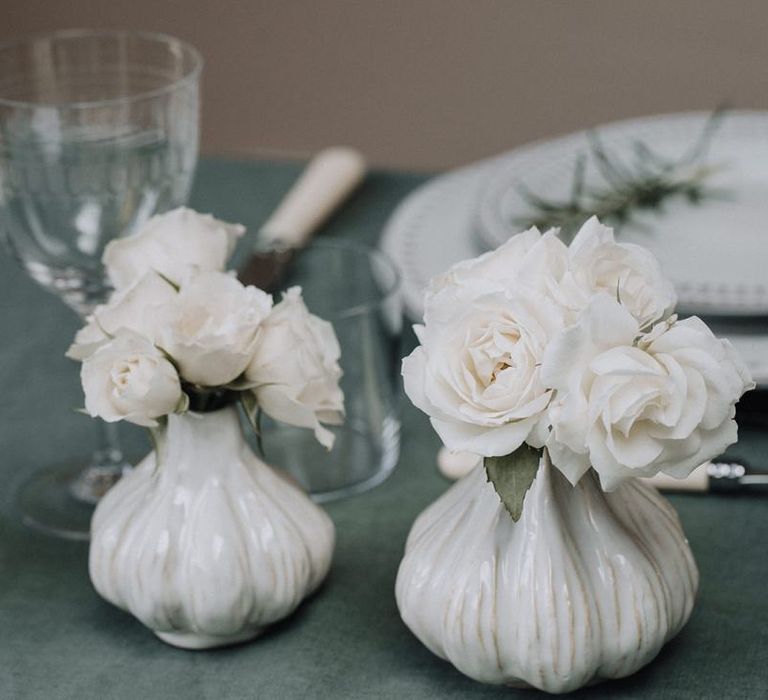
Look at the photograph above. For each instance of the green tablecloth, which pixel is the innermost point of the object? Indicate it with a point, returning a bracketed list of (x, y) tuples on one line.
[(58, 639)]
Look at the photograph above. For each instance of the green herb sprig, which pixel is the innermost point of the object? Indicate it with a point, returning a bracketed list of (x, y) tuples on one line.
[(644, 184)]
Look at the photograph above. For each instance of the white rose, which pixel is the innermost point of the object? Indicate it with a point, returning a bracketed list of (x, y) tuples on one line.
[(531, 259), (130, 379), (623, 270), (134, 308), (210, 328), (476, 372), (295, 370), (171, 244), (630, 404)]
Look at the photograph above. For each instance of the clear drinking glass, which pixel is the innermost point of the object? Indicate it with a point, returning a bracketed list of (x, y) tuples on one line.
[(98, 131), (357, 290)]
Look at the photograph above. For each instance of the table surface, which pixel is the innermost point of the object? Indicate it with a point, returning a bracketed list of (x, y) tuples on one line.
[(58, 639)]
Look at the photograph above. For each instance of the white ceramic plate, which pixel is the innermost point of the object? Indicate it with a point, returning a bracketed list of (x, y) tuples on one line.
[(714, 252), (441, 223), (432, 229)]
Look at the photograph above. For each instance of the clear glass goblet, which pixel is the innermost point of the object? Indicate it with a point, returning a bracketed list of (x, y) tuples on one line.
[(98, 131)]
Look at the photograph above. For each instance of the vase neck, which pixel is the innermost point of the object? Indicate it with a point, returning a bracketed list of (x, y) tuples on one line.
[(191, 438)]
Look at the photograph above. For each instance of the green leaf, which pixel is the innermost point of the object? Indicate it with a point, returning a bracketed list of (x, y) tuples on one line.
[(512, 476), (251, 408), (253, 413), (183, 404)]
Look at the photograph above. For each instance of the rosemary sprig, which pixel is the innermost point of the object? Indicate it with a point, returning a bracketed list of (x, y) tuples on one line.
[(644, 184)]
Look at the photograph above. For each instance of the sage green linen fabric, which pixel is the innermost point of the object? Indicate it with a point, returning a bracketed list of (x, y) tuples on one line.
[(58, 639)]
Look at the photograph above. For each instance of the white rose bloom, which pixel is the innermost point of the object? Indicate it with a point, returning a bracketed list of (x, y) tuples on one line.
[(134, 308), (476, 372), (210, 328), (130, 379), (295, 370), (623, 270), (532, 259), (87, 340), (171, 244), (634, 405)]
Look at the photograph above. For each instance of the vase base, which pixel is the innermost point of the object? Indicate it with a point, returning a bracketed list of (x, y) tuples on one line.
[(192, 640), (522, 685)]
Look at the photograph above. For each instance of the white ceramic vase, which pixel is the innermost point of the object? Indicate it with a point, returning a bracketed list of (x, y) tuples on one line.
[(585, 586), (203, 542)]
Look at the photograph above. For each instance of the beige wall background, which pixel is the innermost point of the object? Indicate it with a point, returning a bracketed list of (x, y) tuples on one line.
[(426, 84)]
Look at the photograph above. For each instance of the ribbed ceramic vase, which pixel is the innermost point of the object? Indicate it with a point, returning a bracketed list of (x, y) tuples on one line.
[(586, 586), (205, 543)]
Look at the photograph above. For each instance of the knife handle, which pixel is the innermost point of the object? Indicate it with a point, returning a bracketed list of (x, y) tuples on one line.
[(328, 179), (697, 480)]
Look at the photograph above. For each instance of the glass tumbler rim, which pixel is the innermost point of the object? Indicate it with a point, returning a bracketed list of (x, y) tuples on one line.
[(191, 75), (386, 293)]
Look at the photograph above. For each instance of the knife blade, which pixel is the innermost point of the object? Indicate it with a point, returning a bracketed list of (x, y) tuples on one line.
[(326, 182)]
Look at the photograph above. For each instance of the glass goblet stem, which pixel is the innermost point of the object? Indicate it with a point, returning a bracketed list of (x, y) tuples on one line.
[(105, 468)]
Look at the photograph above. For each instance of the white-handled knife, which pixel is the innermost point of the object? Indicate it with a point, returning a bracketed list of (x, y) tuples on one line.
[(327, 181)]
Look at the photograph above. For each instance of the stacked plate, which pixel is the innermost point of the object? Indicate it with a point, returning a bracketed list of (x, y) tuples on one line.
[(715, 251)]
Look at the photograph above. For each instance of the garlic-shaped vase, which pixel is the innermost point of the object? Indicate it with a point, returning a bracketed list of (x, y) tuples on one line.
[(203, 542), (585, 586)]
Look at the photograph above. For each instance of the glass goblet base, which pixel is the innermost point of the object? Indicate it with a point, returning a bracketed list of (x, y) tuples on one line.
[(60, 501)]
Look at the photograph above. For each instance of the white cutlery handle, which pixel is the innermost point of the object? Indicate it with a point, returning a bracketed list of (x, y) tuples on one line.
[(697, 480), (328, 179), (454, 465)]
